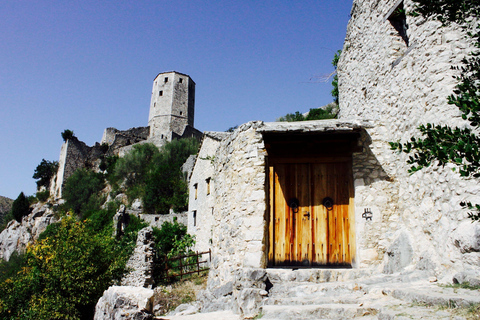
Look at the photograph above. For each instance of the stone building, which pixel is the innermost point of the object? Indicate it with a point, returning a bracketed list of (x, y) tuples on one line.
[(331, 193), (171, 117), (172, 107)]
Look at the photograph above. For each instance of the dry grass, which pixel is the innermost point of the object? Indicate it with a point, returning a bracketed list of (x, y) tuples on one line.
[(184, 291)]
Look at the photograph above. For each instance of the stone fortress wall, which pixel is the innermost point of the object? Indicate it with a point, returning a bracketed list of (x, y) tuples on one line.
[(171, 117), (399, 83)]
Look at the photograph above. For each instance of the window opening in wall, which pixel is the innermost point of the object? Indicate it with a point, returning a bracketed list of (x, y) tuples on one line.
[(398, 19), (208, 185), (160, 93), (180, 80), (166, 79), (195, 186), (157, 218), (195, 218), (181, 113), (154, 104)]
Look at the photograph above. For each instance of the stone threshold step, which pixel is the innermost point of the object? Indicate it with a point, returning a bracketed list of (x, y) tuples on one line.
[(316, 275), (322, 311)]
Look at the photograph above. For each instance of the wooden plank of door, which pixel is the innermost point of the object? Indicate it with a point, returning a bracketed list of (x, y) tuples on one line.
[(333, 222), (271, 222), (319, 214), (303, 216), (280, 216)]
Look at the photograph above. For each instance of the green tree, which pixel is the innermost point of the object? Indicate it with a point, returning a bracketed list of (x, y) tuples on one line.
[(81, 191), (165, 188), (134, 168), (440, 143), (20, 207), (67, 135), (44, 172), (291, 117), (64, 274)]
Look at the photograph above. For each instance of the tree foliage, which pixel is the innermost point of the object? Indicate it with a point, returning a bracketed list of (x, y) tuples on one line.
[(67, 135), (441, 143), (165, 188), (20, 207), (81, 191), (327, 112), (44, 172), (63, 275)]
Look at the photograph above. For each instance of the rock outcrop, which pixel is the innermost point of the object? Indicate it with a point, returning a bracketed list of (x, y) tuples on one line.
[(125, 303), (17, 235)]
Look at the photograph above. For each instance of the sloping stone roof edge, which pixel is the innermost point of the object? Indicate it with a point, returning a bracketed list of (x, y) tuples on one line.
[(315, 126)]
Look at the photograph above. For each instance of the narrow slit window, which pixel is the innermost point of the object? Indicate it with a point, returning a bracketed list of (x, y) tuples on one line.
[(398, 20), (160, 93), (166, 79), (195, 186), (195, 218), (180, 80), (208, 185), (181, 113)]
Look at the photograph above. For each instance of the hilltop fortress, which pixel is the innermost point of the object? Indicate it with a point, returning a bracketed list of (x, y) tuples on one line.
[(172, 112)]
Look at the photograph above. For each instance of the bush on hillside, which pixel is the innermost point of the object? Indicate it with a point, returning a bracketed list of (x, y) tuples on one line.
[(20, 207), (165, 188), (64, 274), (82, 191)]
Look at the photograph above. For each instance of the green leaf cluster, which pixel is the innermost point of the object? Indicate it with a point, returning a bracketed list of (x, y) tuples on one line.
[(334, 92), (82, 191), (171, 240), (44, 172)]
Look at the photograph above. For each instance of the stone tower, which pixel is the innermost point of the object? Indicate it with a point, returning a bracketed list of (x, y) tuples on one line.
[(172, 106)]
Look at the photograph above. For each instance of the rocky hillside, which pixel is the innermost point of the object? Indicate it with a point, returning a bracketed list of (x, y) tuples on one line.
[(5, 204)]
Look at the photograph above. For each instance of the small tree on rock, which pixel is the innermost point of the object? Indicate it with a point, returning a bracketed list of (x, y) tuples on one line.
[(20, 207)]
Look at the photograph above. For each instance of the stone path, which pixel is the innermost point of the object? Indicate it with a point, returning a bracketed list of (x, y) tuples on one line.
[(219, 315), (351, 294)]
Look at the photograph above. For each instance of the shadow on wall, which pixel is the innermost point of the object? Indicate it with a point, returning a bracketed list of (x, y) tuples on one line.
[(366, 166)]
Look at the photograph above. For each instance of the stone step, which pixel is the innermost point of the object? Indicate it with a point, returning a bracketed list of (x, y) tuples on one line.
[(316, 275), (322, 311), (438, 296)]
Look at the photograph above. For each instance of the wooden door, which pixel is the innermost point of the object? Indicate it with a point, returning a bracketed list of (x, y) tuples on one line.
[(311, 234)]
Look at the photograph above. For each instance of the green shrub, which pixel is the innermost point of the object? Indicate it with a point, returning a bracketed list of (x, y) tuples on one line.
[(134, 167), (81, 191), (67, 135), (165, 188), (20, 207), (63, 275), (44, 173), (43, 196)]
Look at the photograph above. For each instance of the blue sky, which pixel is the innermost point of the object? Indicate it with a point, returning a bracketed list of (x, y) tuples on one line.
[(87, 65)]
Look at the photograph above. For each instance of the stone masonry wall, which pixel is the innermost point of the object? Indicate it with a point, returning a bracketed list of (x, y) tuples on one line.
[(239, 216), (201, 202), (417, 221)]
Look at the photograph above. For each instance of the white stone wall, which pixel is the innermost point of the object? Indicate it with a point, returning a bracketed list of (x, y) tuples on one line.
[(201, 202), (415, 217), (238, 229)]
